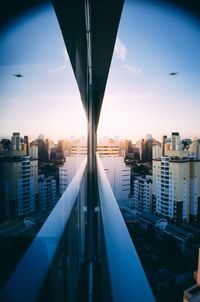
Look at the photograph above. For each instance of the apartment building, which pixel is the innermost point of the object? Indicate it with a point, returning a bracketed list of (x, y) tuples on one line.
[(176, 188), (19, 177), (47, 196), (142, 193)]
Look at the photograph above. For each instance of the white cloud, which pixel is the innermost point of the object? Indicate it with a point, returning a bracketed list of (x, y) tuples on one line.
[(63, 66), (132, 69), (120, 53), (120, 50), (58, 69)]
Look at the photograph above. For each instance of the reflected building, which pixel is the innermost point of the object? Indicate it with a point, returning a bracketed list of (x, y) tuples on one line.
[(18, 185), (119, 177), (47, 196)]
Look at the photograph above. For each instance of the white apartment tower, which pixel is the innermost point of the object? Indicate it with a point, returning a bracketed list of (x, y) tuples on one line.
[(142, 193), (19, 185), (176, 188), (119, 177), (47, 196), (68, 170)]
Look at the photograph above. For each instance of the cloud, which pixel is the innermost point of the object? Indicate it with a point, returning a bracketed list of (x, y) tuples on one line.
[(132, 69), (63, 66), (120, 50), (120, 53), (58, 69)]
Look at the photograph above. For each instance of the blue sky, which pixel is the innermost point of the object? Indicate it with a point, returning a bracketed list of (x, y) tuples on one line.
[(140, 97)]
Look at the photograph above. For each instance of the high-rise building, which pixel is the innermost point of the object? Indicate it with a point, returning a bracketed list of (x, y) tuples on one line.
[(164, 140), (142, 193), (175, 141), (176, 188), (147, 146), (47, 196), (26, 145), (194, 149), (19, 185), (16, 142), (43, 150), (67, 171), (34, 150)]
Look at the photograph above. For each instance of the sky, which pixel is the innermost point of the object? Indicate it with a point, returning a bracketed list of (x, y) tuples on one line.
[(140, 96)]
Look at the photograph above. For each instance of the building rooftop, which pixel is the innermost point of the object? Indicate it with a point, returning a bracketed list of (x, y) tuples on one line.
[(151, 218)]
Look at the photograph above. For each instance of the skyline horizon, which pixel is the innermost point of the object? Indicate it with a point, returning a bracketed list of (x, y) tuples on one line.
[(103, 136)]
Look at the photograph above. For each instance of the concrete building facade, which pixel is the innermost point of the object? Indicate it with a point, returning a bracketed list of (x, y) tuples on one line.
[(176, 183), (142, 193), (47, 196), (19, 176)]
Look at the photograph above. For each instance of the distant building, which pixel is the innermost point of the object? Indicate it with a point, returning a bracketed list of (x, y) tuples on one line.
[(194, 149), (175, 141), (104, 150), (26, 145), (47, 196), (34, 150), (111, 150), (146, 148), (16, 142), (43, 150), (142, 193)]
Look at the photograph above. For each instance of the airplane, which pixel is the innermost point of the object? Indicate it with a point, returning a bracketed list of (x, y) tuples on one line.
[(173, 73), (18, 75)]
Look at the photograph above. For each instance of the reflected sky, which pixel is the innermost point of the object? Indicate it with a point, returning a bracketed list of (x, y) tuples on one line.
[(140, 96), (46, 100)]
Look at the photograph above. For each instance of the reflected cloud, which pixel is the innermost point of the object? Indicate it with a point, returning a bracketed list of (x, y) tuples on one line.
[(120, 50), (63, 66)]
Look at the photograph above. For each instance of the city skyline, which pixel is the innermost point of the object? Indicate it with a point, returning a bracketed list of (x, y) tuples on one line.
[(47, 100), (99, 137)]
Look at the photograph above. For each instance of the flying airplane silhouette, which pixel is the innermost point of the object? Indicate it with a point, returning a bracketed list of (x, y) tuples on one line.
[(173, 73), (18, 75)]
